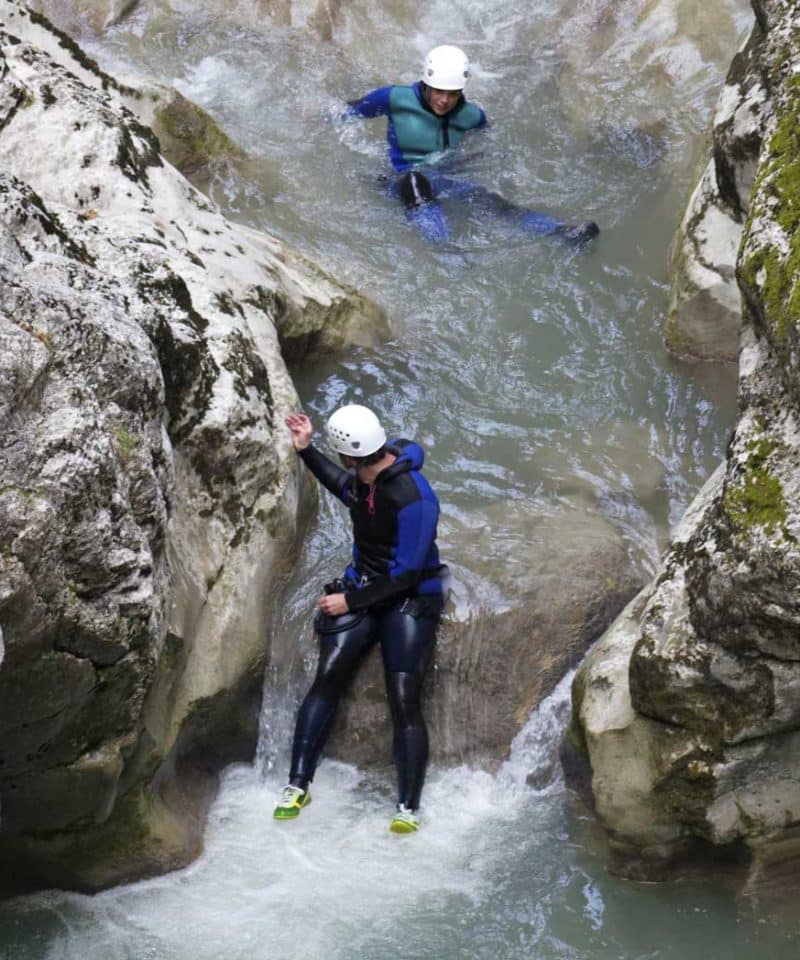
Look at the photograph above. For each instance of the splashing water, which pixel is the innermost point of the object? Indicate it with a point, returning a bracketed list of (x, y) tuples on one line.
[(537, 380), (495, 871), (538, 375)]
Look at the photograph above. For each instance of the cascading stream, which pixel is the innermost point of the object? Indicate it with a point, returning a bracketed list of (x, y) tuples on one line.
[(504, 868), (536, 379)]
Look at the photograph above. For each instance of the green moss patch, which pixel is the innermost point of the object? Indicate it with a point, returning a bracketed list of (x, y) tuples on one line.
[(191, 138), (127, 443), (757, 500), (771, 272)]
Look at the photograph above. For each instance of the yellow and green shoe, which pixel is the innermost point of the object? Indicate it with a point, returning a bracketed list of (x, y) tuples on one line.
[(292, 801), (404, 820)]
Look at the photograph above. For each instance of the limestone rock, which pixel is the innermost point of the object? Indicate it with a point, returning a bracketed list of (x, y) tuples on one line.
[(189, 138), (84, 17), (623, 746), (149, 497), (704, 316), (706, 666)]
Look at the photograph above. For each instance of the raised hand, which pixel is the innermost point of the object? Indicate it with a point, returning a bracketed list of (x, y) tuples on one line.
[(301, 430)]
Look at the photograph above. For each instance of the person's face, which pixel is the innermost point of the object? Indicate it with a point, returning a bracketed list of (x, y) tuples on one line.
[(442, 101)]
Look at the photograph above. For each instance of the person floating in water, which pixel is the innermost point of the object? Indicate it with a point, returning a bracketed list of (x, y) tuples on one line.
[(391, 593), (432, 116)]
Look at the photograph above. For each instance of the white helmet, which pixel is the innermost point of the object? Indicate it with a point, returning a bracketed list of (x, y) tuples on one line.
[(355, 431), (446, 68)]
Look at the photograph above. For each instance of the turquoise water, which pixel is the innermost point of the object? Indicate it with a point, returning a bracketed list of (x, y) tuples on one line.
[(536, 379)]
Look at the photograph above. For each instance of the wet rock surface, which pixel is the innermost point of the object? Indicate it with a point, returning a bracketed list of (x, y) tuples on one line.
[(704, 316), (695, 690), (149, 495)]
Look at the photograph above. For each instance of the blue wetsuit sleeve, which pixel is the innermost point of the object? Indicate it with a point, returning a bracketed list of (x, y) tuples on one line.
[(416, 532), (331, 476), (374, 104)]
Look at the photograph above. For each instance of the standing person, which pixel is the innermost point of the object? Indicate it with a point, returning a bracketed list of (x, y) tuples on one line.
[(427, 119), (391, 592)]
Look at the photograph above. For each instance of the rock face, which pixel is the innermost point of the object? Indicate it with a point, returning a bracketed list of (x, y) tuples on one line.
[(695, 691), (84, 16), (704, 316), (79, 17), (149, 497), (491, 668)]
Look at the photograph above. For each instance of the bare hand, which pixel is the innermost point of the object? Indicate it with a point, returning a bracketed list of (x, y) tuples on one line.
[(301, 430), (334, 604)]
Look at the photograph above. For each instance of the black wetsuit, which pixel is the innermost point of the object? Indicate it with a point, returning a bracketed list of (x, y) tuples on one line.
[(394, 593)]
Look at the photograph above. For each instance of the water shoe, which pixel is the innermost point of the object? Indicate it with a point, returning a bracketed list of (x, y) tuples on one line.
[(581, 233), (292, 801), (404, 820)]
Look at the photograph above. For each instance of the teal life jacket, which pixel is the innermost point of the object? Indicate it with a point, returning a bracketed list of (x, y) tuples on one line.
[(415, 131)]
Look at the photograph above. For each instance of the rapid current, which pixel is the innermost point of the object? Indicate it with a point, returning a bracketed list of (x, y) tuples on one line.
[(536, 378)]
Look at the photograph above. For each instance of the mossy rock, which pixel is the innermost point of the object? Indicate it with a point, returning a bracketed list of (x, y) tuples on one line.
[(769, 269), (192, 140), (757, 498)]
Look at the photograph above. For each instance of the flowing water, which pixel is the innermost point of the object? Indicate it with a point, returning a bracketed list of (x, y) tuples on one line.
[(502, 871), (536, 379)]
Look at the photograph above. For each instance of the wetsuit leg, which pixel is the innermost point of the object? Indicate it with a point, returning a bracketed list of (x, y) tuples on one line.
[(489, 202), (339, 656), (415, 188), (410, 736), (422, 207), (530, 221), (408, 637), (451, 188)]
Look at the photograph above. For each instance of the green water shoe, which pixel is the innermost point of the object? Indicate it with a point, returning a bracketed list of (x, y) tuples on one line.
[(292, 801), (404, 820)]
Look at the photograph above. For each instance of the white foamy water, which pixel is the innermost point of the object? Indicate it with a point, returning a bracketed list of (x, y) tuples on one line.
[(537, 381), (497, 870), (336, 880)]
